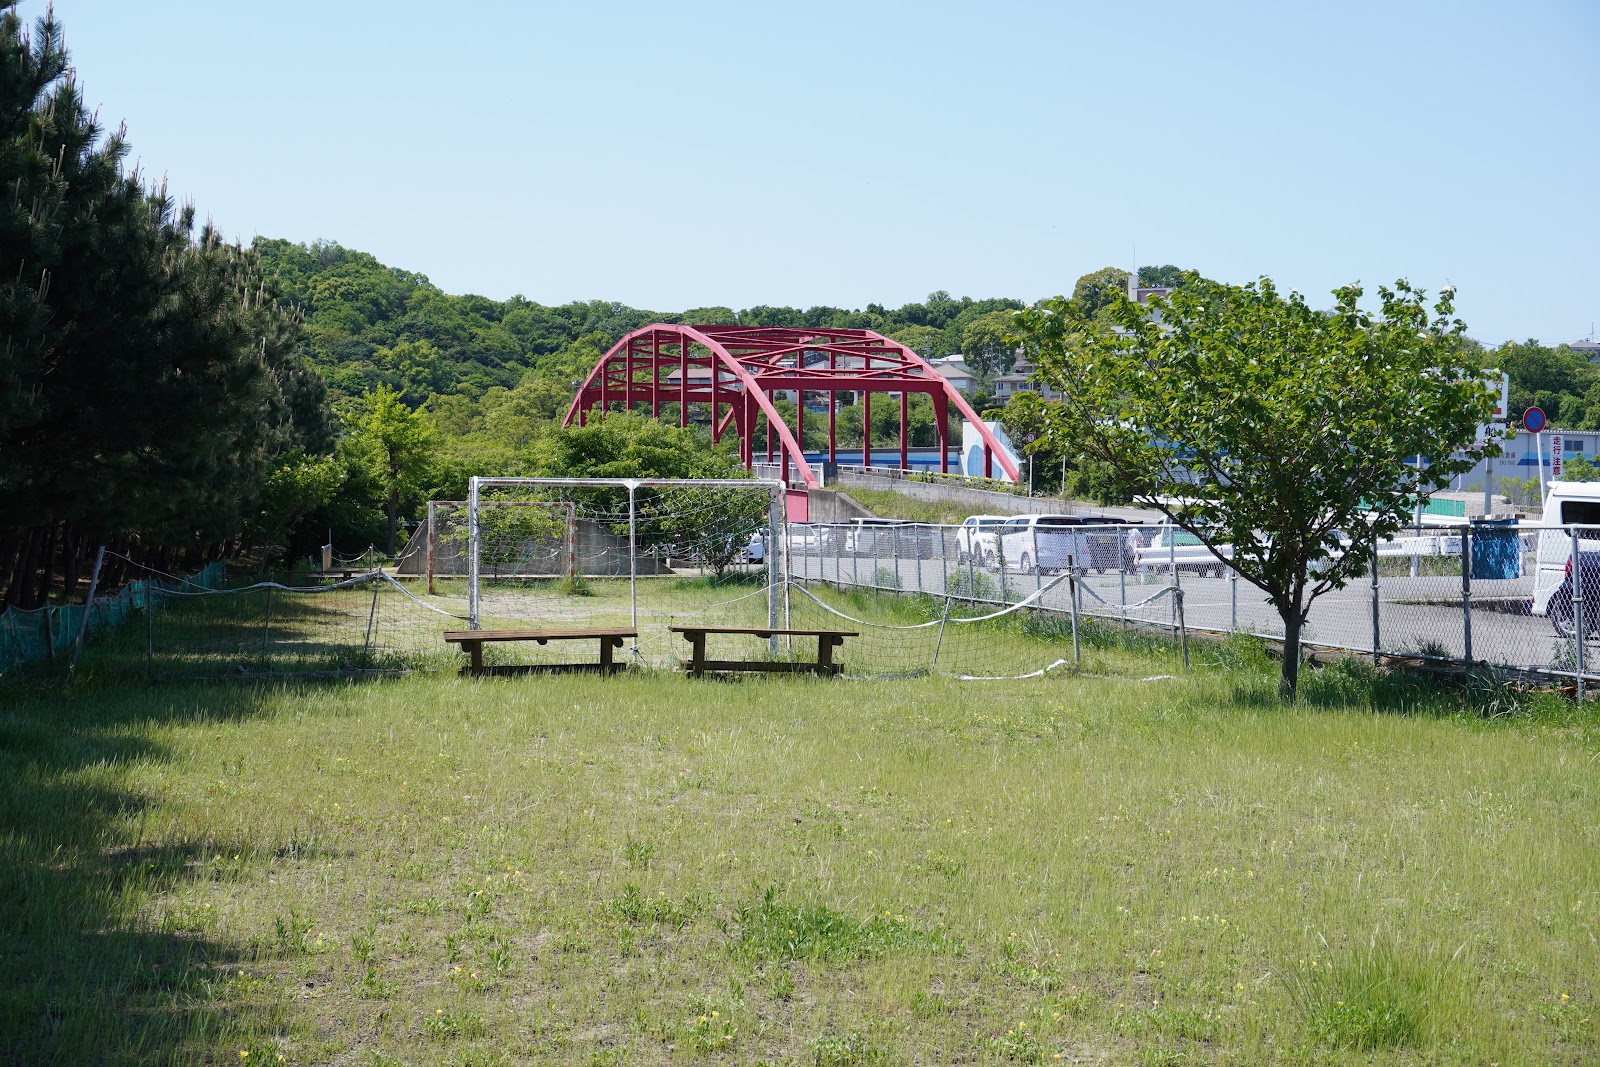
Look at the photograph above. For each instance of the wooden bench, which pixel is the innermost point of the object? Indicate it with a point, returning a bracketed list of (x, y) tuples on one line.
[(699, 665), (610, 637), (339, 574)]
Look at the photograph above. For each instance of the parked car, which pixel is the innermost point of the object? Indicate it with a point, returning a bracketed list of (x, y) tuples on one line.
[(894, 539), (1051, 543), (1171, 548), (861, 535), (755, 551), (977, 538), (808, 539)]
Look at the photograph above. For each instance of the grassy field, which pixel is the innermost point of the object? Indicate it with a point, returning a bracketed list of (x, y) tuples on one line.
[(645, 869)]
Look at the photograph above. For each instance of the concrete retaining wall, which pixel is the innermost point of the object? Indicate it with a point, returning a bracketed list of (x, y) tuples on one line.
[(830, 505)]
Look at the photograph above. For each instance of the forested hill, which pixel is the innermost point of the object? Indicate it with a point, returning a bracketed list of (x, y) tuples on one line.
[(368, 324)]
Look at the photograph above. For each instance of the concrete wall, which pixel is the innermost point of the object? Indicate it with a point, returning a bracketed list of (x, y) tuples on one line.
[(830, 505)]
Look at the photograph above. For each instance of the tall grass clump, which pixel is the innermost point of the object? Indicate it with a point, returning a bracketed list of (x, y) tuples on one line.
[(1378, 997)]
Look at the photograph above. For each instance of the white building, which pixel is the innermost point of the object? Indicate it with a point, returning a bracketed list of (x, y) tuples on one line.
[(1020, 380), (955, 370)]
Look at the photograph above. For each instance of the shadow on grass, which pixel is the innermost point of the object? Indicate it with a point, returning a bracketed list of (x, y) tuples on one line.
[(87, 978)]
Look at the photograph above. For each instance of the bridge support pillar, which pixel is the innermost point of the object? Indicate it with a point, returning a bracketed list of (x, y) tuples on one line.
[(866, 429), (905, 412)]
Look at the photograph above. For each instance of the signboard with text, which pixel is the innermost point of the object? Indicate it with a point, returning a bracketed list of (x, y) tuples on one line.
[(1555, 455), (1500, 385)]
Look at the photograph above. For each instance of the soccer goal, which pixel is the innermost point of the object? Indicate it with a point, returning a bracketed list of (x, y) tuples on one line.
[(522, 532)]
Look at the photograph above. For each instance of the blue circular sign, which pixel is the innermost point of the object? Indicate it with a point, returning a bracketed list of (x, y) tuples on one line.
[(1533, 420)]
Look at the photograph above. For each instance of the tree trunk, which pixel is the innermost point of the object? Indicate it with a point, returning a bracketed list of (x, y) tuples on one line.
[(45, 574), (394, 515), (71, 544), (10, 546), (1289, 680), (27, 566)]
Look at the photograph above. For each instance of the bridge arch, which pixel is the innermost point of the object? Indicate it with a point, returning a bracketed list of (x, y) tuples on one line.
[(743, 367)]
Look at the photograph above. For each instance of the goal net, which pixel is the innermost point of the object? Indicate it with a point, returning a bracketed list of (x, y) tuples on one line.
[(523, 539), (576, 552)]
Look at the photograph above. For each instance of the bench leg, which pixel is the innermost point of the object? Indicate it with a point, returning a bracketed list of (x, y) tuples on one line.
[(824, 655), (607, 664), (697, 654), (475, 650)]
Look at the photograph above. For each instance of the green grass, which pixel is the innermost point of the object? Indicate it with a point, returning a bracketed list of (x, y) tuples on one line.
[(647, 869)]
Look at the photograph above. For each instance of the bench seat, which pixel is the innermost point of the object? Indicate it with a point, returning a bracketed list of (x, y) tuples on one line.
[(609, 638)]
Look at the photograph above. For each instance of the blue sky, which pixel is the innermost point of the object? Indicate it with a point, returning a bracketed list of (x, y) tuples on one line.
[(679, 155)]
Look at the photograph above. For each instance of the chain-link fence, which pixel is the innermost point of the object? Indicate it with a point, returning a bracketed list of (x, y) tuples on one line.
[(1495, 593), (1489, 592), (49, 632)]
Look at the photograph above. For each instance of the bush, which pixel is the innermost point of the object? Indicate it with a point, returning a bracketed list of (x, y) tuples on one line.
[(972, 585)]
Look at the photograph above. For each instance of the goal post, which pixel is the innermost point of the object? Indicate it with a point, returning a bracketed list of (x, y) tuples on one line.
[(709, 525)]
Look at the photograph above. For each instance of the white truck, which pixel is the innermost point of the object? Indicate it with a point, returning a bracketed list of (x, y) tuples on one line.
[(1569, 507)]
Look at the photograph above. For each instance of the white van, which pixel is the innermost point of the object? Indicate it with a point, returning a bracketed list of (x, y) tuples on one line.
[(1568, 504), (1048, 544)]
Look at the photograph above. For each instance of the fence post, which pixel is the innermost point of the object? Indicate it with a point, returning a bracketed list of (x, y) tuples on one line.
[(1578, 623), (88, 605), (777, 572), (972, 552), (1233, 598), (633, 555), (1183, 626), (1466, 592), (1072, 578), (944, 560), (939, 644), (1000, 557), (473, 544), (1038, 566), (432, 532), (1375, 602), (1122, 572), (572, 542), (1172, 562), (149, 624), (372, 617), (266, 632)]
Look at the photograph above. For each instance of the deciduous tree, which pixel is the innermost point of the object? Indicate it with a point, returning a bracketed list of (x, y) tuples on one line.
[(1296, 436), (396, 443)]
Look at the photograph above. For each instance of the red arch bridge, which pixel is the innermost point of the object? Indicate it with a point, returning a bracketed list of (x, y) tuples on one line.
[(735, 372)]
